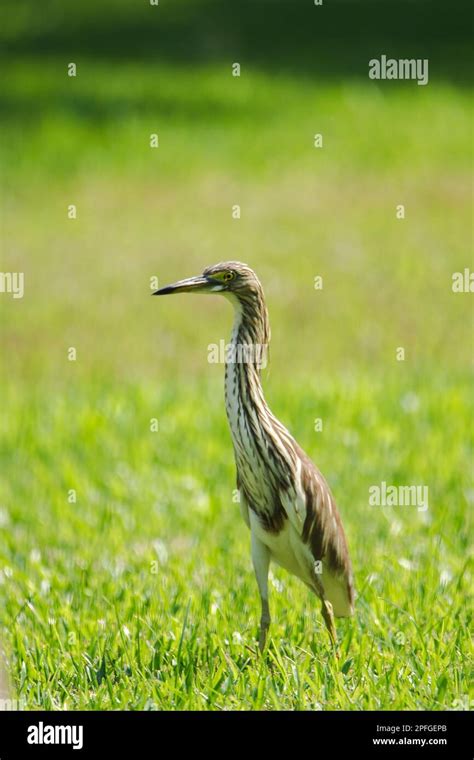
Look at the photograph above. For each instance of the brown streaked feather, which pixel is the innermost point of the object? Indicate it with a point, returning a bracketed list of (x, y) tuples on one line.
[(322, 529)]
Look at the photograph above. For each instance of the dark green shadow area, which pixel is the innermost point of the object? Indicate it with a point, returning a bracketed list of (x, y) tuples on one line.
[(335, 40)]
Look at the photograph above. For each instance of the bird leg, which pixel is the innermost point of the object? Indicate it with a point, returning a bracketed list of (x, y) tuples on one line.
[(326, 609), (261, 563), (328, 616), (264, 624)]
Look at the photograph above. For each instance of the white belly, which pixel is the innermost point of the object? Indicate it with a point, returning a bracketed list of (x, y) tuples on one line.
[(288, 550)]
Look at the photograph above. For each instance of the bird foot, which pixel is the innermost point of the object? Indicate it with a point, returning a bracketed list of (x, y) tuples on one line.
[(262, 639)]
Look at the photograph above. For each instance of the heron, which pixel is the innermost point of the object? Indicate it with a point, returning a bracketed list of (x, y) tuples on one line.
[(284, 498)]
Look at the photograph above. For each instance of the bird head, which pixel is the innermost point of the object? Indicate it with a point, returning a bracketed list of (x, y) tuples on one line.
[(228, 277)]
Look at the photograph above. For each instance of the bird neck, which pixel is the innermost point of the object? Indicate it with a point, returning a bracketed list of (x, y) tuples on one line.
[(260, 441), (248, 348), (247, 355)]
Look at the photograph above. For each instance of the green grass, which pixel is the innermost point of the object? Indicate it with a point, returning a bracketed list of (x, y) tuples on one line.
[(141, 594)]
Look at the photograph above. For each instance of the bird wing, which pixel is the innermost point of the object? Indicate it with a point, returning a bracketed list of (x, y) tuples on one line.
[(312, 510)]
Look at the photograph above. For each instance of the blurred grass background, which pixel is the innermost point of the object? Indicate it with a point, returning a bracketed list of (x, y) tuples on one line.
[(84, 569)]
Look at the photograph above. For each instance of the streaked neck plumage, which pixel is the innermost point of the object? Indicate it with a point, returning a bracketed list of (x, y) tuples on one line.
[(264, 450)]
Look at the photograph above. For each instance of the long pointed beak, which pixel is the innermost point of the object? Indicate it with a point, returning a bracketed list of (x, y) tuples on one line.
[(197, 284)]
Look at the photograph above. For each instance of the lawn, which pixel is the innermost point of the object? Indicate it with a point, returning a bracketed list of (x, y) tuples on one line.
[(125, 572)]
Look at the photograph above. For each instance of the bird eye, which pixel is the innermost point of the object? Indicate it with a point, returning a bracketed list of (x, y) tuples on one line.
[(228, 276)]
